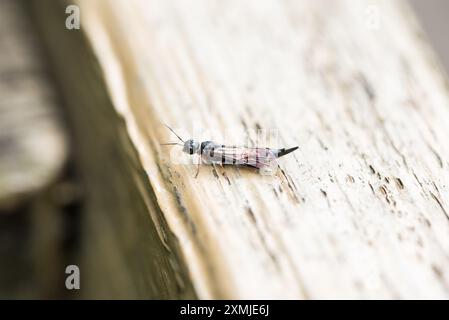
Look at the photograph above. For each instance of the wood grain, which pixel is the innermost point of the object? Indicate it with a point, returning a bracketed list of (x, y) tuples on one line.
[(360, 211)]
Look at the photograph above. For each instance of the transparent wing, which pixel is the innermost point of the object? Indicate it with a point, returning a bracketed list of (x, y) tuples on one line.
[(254, 157)]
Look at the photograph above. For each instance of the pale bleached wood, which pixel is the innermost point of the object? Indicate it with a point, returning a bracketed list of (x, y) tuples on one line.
[(360, 211)]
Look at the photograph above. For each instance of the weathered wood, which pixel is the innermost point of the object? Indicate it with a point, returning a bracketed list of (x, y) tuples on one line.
[(124, 254), (360, 211)]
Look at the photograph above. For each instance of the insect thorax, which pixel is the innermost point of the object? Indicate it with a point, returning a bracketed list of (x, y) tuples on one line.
[(206, 146)]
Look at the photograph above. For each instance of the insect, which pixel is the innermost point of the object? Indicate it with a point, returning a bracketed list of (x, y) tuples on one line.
[(214, 153)]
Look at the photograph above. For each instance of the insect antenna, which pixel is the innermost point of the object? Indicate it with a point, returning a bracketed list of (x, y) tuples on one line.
[(174, 133), (171, 144)]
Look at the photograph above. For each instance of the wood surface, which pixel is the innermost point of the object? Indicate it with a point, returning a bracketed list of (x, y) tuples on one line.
[(359, 211)]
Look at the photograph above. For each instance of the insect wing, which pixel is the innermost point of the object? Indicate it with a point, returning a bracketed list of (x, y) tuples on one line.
[(254, 157)]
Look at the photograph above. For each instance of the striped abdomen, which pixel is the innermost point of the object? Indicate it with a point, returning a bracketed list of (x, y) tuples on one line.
[(254, 157)]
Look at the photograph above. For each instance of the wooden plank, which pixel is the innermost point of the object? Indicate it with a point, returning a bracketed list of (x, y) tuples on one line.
[(122, 254), (359, 212)]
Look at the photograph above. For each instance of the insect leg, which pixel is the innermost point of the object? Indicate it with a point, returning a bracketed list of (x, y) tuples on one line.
[(198, 170)]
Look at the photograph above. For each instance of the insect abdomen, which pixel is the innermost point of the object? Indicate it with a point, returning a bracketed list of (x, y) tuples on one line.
[(283, 152)]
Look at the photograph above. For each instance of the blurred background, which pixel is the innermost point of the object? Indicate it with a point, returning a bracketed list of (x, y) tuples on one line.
[(42, 194), (434, 18)]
